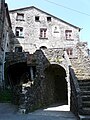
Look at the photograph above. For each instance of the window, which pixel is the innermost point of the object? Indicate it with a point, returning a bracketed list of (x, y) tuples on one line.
[(7, 44), (69, 51), (20, 16), (19, 32), (68, 34), (48, 19), (88, 51), (36, 18), (18, 49), (43, 47), (43, 32)]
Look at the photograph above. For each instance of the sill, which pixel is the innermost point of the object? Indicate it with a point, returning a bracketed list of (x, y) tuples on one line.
[(70, 39), (37, 20), (43, 38), (20, 20), (56, 31), (48, 21), (19, 36)]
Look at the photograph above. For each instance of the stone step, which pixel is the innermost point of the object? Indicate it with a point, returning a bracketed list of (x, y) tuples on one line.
[(85, 80), (86, 97), (81, 77), (86, 110), (84, 83), (85, 88), (83, 92), (86, 103), (84, 117)]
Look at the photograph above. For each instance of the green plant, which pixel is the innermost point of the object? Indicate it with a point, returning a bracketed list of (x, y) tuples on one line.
[(5, 95)]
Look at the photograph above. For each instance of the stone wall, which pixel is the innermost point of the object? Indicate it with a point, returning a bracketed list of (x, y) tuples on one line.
[(2, 15), (5, 36), (34, 94), (31, 41)]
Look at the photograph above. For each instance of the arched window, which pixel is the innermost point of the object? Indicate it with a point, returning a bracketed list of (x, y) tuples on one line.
[(43, 47)]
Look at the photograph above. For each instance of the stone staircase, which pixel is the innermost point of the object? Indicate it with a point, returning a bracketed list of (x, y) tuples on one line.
[(81, 66), (85, 96)]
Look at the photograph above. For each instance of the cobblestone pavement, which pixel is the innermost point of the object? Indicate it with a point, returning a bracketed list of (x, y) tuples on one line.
[(9, 112)]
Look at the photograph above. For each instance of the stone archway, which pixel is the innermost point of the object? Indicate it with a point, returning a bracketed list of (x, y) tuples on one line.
[(56, 77)]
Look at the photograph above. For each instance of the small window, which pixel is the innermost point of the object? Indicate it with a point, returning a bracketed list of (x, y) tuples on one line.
[(19, 32), (37, 18), (68, 34), (49, 19), (20, 16), (18, 49), (7, 44), (69, 51), (88, 51), (43, 33)]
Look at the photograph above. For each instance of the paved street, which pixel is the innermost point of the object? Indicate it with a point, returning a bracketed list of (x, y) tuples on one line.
[(9, 112)]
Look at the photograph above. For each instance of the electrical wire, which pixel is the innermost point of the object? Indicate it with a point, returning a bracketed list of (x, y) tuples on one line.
[(67, 8)]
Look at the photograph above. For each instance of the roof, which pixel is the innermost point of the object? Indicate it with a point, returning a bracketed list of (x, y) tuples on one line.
[(25, 8)]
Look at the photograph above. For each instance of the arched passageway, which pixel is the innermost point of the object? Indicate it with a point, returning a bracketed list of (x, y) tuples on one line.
[(15, 73), (20, 73), (55, 75)]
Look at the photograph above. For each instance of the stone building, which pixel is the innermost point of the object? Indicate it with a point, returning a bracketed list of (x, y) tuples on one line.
[(5, 36), (38, 65), (36, 29)]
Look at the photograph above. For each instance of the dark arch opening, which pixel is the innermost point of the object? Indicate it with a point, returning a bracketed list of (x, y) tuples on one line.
[(55, 75), (15, 72), (43, 47)]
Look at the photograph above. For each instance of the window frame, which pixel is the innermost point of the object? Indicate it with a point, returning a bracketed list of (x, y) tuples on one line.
[(68, 35), (43, 33), (19, 32), (18, 49), (37, 18), (21, 18), (48, 19), (69, 51)]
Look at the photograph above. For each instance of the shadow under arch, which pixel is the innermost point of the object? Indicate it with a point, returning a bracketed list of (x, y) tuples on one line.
[(15, 72), (56, 77)]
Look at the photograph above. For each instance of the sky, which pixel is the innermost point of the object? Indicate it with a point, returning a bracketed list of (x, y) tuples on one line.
[(76, 12)]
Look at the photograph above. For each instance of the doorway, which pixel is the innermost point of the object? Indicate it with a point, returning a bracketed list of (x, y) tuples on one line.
[(57, 84)]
